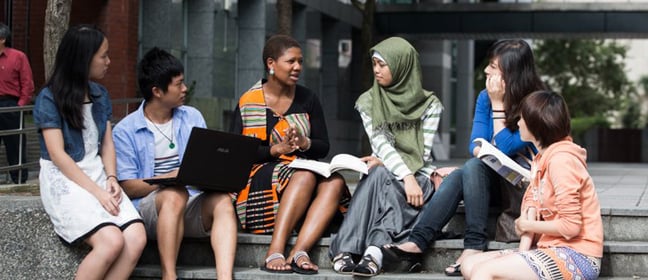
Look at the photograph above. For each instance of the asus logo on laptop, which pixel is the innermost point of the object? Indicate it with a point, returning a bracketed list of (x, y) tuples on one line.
[(222, 150)]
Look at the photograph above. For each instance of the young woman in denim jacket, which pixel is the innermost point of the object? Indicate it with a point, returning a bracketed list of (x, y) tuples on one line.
[(78, 185)]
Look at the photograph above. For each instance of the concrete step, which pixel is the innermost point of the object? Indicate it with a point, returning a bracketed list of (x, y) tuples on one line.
[(149, 272), (205, 272), (619, 224), (621, 258)]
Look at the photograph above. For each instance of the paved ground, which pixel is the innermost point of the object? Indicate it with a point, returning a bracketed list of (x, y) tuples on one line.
[(619, 185)]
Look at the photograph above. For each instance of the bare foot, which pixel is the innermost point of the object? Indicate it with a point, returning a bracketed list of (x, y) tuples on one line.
[(277, 262), (467, 253), (304, 262), (301, 263), (455, 268)]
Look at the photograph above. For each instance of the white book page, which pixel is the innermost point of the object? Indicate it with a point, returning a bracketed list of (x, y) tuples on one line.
[(318, 167), (488, 149), (346, 161)]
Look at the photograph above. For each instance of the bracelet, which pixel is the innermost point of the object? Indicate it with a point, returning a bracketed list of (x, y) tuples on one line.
[(113, 176), (308, 145)]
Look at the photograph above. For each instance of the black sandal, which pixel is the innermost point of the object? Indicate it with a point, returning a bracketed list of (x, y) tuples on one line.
[(299, 267), (397, 260), (367, 267), (343, 263), (453, 270)]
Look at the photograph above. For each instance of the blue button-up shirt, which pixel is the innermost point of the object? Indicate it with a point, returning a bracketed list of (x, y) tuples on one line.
[(135, 142), (47, 115)]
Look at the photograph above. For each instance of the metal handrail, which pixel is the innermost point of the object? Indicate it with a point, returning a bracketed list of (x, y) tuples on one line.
[(20, 131), (17, 131), (25, 130)]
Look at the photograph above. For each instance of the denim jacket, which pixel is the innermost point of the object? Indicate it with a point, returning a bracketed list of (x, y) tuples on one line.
[(46, 115)]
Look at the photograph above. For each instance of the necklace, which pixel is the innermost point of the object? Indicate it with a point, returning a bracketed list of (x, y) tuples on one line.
[(171, 144)]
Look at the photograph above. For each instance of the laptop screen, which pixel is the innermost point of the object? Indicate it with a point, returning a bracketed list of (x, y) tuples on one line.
[(217, 161)]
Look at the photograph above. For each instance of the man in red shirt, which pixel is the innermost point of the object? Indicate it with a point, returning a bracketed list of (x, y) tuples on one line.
[(16, 88)]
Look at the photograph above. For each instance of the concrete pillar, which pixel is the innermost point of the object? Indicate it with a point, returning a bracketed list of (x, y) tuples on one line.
[(251, 38), (436, 63), (300, 24), (464, 97), (329, 67), (464, 101), (329, 80), (199, 66), (162, 26), (306, 27)]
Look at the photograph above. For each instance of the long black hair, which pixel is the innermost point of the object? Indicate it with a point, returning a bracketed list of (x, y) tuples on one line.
[(69, 82), (519, 73)]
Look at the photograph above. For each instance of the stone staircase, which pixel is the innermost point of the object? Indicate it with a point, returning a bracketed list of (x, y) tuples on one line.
[(626, 254), (29, 249)]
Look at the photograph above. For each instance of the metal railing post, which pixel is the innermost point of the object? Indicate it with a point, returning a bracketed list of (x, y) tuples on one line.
[(22, 131)]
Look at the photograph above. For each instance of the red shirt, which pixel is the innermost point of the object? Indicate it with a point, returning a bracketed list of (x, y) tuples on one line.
[(16, 76)]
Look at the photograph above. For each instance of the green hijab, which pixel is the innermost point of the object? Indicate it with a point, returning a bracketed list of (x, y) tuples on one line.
[(396, 110)]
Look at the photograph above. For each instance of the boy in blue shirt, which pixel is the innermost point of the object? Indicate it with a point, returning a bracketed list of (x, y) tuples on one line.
[(150, 142)]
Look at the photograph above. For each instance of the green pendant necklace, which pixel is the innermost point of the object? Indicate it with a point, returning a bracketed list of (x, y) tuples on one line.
[(171, 144)]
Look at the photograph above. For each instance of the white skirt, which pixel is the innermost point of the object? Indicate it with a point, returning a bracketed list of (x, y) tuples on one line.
[(75, 212)]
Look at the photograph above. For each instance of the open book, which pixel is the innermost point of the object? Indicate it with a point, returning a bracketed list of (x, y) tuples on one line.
[(501, 163), (338, 162)]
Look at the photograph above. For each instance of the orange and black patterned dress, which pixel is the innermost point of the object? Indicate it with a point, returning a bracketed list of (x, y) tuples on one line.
[(258, 202)]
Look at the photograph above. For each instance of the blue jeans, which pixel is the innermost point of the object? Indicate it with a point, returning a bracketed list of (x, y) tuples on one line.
[(473, 184)]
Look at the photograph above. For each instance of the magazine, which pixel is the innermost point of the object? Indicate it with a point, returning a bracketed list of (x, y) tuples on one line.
[(338, 162), (502, 164)]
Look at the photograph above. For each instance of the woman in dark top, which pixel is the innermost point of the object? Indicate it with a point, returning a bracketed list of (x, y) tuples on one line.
[(288, 118)]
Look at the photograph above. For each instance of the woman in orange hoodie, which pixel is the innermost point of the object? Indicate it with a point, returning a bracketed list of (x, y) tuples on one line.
[(560, 226)]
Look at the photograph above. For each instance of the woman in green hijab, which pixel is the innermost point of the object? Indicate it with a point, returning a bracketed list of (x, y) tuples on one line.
[(400, 119)]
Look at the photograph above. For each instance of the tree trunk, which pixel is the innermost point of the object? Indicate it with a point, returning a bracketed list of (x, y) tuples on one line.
[(368, 10), (284, 17), (57, 18)]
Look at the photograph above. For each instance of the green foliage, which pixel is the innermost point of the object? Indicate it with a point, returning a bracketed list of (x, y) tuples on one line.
[(581, 125), (631, 117), (589, 74), (643, 83)]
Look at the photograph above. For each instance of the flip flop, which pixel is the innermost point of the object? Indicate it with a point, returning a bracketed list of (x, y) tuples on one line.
[(453, 270), (272, 257), (299, 268)]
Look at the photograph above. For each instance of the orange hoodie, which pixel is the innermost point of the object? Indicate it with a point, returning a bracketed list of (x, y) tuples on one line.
[(562, 189)]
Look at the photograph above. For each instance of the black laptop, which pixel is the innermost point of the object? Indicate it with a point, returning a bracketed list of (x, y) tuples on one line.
[(214, 161)]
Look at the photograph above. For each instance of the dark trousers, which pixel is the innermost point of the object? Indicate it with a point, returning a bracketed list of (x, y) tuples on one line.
[(12, 142)]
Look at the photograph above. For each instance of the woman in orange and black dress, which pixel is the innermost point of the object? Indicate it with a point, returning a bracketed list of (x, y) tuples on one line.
[(288, 118)]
